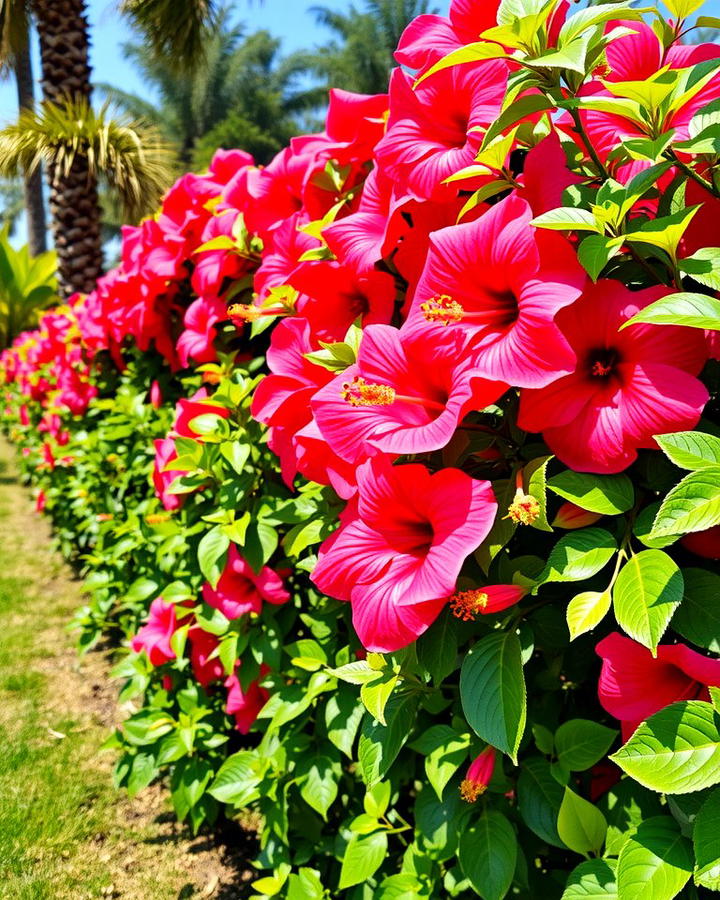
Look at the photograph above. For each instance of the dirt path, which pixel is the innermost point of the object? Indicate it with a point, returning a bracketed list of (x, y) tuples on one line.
[(64, 831)]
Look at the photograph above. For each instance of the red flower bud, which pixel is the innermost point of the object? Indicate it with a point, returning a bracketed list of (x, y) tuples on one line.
[(571, 516)]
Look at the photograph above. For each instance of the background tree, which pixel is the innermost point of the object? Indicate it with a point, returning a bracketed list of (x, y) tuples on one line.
[(362, 56), (241, 94), (176, 28), (15, 61)]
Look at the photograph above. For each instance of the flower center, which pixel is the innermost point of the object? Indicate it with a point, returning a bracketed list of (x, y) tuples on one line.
[(359, 392), (467, 604), (471, 790), (603, 362), (524, 509), (442, 308), (500, 310)]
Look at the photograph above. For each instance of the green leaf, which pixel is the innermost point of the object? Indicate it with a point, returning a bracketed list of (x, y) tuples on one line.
[(212, 554), (692, 505), (567, 218), (655, 862), (692, 450), (703, 266), (487, 855), (706, 843), (579, 555), (377, 799), (665, 233), (596, 251), (676, 751), (580, 824), (586, 610), (306, 885), (376, 693), (608, 495), (646, 593), (380, 744), (580, 743), (237, 780), (437, 649), (698, 617), (343, 715), (539, 799), (469, 53), (534, 476), (363, 857), (592, 878), (690, 310), (492, 691), (444, 761), (319, 788), (520, 109)]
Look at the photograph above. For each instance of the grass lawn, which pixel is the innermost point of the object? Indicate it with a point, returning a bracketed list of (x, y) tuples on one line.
[(64, 831)]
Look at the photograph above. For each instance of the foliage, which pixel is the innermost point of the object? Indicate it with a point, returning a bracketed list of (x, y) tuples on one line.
[(27, 286), (128, 154)]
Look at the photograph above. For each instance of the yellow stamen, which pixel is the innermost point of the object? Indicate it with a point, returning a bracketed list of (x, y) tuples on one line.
[(359, 393), (471, 790), (467, 604), (156, 518), (524, 509), (249, 313), (442, 308)]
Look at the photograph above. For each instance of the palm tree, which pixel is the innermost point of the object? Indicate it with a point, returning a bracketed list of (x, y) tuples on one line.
[(78, 146), (178, 29), (15, 59), (363, 59)]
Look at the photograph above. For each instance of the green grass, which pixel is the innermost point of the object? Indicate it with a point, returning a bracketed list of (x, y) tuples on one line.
[(65, 833)]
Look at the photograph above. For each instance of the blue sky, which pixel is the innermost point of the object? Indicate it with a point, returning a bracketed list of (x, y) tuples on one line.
[(288, 19)]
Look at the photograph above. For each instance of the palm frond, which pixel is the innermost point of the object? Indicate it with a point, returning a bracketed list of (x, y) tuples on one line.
[(176, 31), (127, 153), (14, 23)]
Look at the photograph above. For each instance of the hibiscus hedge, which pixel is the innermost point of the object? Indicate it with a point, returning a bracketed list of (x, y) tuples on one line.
[(393, 469)]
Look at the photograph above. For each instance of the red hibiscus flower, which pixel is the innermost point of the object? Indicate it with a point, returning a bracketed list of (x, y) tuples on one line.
[(400, 548), (190, 408), (627, 385), (502, 282), (406, 394), (634, 685), (240, 590), (206, 668)]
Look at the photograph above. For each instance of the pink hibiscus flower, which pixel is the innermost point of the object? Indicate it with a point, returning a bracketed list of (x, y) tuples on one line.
[(202, 646), (400, 548), (627, 385), (162, 479), (244, 706), (154, 637), (634, 685), (240, 590), (501, 281), (406, 394), (190, 408)]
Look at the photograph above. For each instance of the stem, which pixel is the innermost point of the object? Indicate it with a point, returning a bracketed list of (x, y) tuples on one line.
[(641, 261), (592, 152), (691, 173)]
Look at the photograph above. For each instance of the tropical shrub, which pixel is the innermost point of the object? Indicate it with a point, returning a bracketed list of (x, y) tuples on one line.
[(393, 468)]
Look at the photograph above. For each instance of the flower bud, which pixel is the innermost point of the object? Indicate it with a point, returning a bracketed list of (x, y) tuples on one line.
[(571, 516), (478, 775)]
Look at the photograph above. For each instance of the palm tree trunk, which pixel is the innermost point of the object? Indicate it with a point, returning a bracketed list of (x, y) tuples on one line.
[(63, 30), (33, 186)]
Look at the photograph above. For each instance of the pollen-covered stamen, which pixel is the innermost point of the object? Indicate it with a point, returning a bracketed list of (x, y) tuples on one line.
[(602, 363), (442, 308), (467, 604), (249, 313), (359, 393), (471, 790), (524, 509)]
